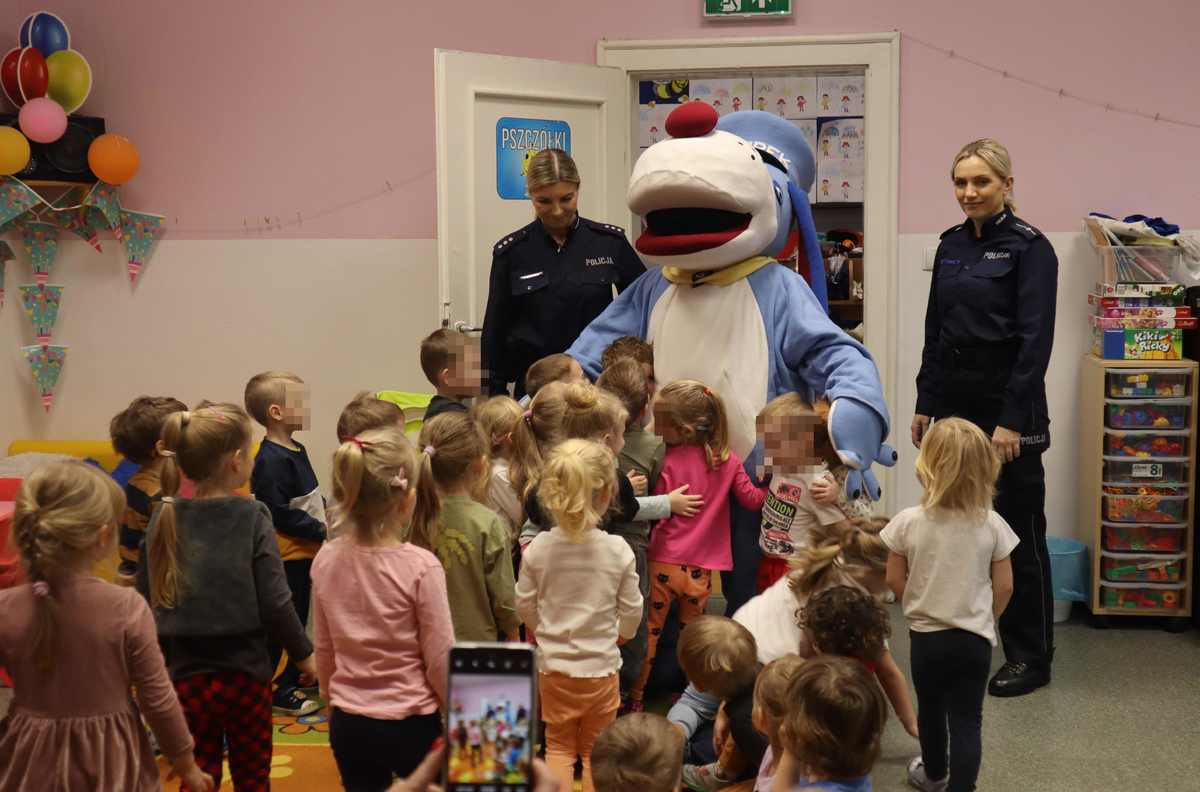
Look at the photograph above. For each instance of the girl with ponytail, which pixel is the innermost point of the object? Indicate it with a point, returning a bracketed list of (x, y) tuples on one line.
[(515, 456), (380, 614), (579, 592), (216, 584), (75, 644)]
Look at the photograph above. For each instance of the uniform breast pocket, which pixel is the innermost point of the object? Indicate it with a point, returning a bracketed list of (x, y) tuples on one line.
[(603, 275), (528, 282), (993, 268)]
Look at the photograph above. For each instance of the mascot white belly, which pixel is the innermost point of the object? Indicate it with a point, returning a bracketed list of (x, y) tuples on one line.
[(729, 355)]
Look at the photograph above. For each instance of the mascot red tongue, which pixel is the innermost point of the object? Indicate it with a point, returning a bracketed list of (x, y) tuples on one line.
[(719, 199)]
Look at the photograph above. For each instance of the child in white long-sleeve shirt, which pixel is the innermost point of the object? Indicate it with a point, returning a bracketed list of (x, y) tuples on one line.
[(579, 591)]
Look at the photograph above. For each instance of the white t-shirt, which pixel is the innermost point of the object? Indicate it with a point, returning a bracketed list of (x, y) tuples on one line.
[(771, 619), (790, 513), (949, 568)]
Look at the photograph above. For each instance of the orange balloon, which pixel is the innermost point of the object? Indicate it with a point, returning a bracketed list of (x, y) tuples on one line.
[(113, 158)]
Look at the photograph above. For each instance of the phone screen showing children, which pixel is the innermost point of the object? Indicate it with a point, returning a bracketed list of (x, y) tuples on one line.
[(489, 734)]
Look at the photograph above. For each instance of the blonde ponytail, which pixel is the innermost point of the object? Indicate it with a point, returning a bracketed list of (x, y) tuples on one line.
[(372, 473), (195, 443), (60, 512)]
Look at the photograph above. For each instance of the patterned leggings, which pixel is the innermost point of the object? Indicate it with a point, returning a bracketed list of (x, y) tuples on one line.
[(231, 709), (688, 585)]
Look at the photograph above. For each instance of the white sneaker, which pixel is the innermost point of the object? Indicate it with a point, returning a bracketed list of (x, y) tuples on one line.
[(918, 780)]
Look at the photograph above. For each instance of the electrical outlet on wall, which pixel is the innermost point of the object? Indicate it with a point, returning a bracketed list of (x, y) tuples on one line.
[(930, 255)]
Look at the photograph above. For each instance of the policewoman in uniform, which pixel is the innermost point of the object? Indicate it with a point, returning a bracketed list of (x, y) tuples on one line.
[(552, 277), (989, 327)]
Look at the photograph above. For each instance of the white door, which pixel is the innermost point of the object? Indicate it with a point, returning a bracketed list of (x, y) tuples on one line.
[(491, 108)]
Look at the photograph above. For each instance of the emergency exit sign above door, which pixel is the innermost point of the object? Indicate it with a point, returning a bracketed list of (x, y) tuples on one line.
[(740, 9)]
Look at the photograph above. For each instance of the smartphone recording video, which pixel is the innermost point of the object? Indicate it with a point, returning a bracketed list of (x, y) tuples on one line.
[(491, 723)]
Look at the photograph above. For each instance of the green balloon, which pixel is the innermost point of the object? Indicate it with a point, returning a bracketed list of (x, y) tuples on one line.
[(70, 79)]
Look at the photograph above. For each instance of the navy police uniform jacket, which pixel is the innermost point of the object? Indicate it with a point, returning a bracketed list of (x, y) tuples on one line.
[(541, 296), (989, 327)]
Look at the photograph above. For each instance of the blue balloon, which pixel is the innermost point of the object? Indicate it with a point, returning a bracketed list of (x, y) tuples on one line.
[(46, 32)]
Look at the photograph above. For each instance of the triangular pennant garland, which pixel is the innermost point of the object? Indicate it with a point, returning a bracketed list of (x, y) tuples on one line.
[(41, 304), (139, 231), (75, 221), (40, 241), (104, 197), (46, 362), (6, 255), (15, 199)]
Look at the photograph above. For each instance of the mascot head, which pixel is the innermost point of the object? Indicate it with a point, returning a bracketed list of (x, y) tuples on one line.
[(720, 191)]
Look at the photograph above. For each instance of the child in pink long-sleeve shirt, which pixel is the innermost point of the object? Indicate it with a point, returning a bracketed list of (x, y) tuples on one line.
[(381, 615), (684, 551)]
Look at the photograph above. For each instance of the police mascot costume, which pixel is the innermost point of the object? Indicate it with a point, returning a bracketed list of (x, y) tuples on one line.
[(719, 199)]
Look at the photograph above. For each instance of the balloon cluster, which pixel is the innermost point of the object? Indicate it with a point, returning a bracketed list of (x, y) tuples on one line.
[(47, 81)]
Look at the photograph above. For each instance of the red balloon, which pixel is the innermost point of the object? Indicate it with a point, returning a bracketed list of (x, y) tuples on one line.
[(23, 75)]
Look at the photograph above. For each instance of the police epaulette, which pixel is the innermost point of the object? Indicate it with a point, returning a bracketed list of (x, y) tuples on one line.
[(950, 231), (1024, 229), (605, 228), (506, 242)]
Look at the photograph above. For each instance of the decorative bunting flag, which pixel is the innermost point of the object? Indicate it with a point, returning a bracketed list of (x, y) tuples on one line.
[(46, 363), (15, 199), (75, 221), (40, 241), (41, 306), (104, 197), (6, 255), (138, 232)]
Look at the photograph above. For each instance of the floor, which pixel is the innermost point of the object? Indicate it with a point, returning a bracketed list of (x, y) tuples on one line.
[(1123, 713)]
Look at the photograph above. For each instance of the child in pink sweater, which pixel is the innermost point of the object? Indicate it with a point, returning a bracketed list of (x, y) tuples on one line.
[(684, 551), (381, 617)]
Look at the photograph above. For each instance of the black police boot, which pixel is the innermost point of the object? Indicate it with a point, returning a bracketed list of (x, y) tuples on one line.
[(1017, 679)]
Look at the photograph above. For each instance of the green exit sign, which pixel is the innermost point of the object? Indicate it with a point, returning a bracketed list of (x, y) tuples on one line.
[(738, 9)]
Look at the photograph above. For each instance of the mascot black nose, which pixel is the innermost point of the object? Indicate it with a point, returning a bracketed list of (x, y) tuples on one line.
[(691, 119)]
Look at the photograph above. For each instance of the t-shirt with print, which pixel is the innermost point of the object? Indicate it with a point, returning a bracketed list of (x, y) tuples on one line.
[(949, 568), (790, 514)]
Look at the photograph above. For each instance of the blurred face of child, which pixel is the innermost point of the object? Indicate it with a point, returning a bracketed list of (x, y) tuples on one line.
[(296, 412), (651, 382), (789, 443), (465, 378), (666, 428)]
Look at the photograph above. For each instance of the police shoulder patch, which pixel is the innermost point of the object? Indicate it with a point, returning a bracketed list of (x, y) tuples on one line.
[(950, 231), (1024, 229), (509, 241), (605, 228)]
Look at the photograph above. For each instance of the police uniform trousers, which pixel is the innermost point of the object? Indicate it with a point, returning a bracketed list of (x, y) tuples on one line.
[(975, 393)]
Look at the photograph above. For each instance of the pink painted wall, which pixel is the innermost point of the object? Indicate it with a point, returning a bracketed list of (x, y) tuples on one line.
[(265, 109)]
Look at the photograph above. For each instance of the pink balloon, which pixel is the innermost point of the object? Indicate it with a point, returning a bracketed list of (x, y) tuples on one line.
[(42, 120)]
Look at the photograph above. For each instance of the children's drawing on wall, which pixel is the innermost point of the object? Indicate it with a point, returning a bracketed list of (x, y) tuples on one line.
[(841, 159), (718, 93), (771, 94), (741, 94), (656, 92), (652, 124), (808, 126), (800, 97), (845, 94)]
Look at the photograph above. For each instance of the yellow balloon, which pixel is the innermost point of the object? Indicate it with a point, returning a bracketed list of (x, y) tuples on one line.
[(14, 151)]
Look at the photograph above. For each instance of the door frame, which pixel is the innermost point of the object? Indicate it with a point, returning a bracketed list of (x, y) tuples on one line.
[(879, 53)]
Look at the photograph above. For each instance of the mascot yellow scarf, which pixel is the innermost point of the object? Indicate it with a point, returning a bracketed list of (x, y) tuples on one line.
[(721, 277)]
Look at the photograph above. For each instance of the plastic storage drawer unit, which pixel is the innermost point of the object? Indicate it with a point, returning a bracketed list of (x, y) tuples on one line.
[(1146, 384), (1145, 596), (1147, 414), (1135, 567), (1145, 508), (1143, 538), (1123, 470), (1145, 444)]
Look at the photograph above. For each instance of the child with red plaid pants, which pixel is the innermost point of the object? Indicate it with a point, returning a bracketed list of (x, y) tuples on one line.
[(211, 570), (684, 551)]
